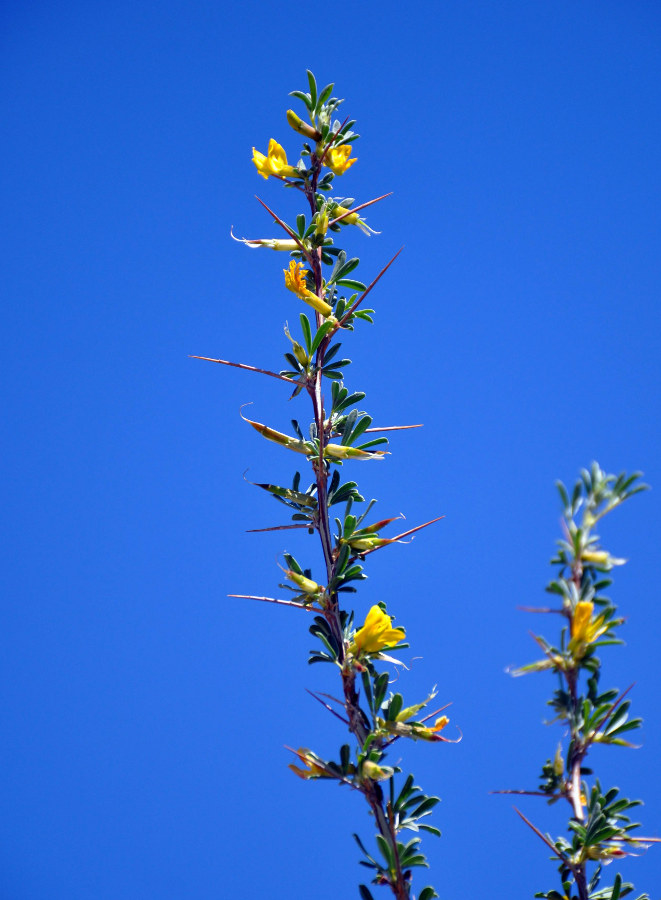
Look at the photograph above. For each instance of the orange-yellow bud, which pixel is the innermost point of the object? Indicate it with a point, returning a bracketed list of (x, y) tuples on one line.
[(302, 127)]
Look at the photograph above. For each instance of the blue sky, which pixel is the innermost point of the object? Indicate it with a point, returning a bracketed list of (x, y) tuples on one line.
[(145, 714)]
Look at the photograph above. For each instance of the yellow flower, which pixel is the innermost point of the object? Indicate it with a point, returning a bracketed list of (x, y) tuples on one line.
[(584, 629), (429, 734), (415, 730), (337, 159), (275, 163), (295, 278), (295, 282), (314, 765), (376, 634)]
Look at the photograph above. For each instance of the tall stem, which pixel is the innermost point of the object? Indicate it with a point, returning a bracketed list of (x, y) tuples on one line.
[(358, 721), (578, 751)]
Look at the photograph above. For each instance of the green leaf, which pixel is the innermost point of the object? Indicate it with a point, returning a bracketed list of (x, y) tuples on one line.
[(367, 687), (293, 564), (407, 789), (395, 707), (365, 893), (318, 656), (364, 423), (351, 284), (427, 804), (301, 96), (339, 364), (347, 267), (320, 335), (373, 443), (431, 829), (313, 89), (293, 362), (362, 847), (332, 351), (564, 496), (386, 850), (325, 94), (288, 494), (380, 688), (619, 716), (427, 893), (351, 400), (337, 268), (307, 334), (326, 642)]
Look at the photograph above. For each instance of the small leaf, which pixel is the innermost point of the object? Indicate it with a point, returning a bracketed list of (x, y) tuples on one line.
[(320, 335), (427, 893), (313, 88), (351, 284), (385, 849), (307, 335), (301, 96), (325, 94)]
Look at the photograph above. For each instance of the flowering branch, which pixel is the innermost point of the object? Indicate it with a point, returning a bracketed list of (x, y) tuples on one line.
[(341, 433), (599, 825)]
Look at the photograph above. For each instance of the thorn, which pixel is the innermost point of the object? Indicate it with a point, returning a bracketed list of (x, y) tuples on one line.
[(236, 365), (290, 231), (275, 528), (326, 706), (548, 843), (272, 600), (392, 428), (366, 291), (356, 209)]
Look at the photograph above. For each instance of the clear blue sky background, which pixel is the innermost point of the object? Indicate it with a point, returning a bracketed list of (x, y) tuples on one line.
[(144, 713)]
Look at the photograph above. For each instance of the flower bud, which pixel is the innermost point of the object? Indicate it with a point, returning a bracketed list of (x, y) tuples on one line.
[(375, 772), (341, 451), (283, 244), (300, 354), (302, 127), (349, 218), (340, 212), (558, 762), (307, 585), (322, 224), (299, 351)]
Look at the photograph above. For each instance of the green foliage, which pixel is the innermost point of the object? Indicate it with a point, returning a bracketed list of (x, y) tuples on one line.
[(599, 826)]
